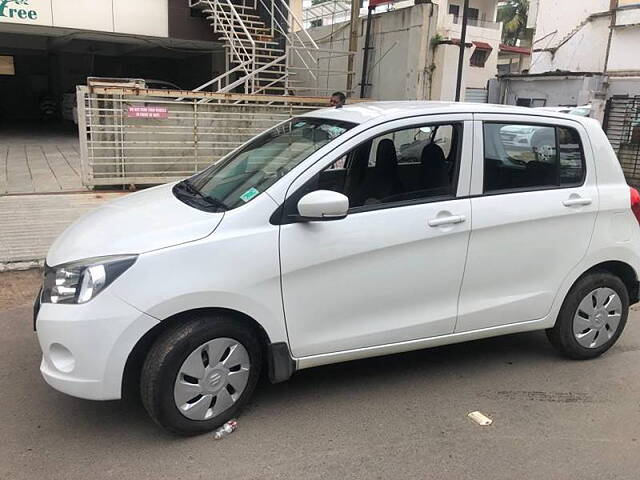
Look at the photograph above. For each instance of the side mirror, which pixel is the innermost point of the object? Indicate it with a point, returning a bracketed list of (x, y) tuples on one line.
[(323, 205)]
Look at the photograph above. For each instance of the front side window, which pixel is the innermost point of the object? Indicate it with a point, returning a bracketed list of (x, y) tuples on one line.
[(259, 164), (407, 165), (519, 156)]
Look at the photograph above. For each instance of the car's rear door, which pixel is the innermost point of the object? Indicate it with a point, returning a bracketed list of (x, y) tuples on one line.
[(534, 207)]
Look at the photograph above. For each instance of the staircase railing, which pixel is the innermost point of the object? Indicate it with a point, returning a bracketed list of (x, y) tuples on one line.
[(225, 21), (252, 75), (297, 54), (291, 34)]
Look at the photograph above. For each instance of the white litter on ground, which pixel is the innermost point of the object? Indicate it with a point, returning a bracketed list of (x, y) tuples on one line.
[(480, 418)]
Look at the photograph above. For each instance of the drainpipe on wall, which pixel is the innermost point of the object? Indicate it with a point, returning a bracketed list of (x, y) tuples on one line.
[(599, 101), (365, 56), (353, 43)]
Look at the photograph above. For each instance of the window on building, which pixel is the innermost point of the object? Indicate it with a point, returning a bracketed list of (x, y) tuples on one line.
[(316, 23), (504, 68), (531, 102), (531, 157), (479, 57), (474, 17), (6, 65)]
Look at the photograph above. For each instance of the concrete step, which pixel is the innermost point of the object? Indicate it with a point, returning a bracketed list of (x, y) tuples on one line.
[(202, 5), (247, 42), (243, 57), (244, 13), (252, 29), (259, 50), (247, 21)]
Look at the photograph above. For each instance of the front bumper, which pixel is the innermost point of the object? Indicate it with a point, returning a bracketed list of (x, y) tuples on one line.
[(85, 347)]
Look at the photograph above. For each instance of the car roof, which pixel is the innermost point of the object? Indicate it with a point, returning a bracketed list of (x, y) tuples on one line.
[(378, 112)]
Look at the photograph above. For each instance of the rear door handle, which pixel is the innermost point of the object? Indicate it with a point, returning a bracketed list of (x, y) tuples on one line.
[(452, 220), (577, 202)]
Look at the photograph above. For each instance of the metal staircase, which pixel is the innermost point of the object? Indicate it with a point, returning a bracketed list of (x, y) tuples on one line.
[(259, 56)]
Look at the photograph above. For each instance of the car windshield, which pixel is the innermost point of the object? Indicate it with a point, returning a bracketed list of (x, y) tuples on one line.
[(259, 164)]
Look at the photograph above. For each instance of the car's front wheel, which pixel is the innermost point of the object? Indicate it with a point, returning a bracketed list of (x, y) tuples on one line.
[(592, 316), (198, 374)]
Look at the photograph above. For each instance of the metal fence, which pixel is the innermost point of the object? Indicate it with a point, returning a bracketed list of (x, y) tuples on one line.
[(622, 125), (132, 135)]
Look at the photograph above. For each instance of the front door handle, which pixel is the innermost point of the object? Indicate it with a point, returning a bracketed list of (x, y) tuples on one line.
[(577, 202), (451, 220)]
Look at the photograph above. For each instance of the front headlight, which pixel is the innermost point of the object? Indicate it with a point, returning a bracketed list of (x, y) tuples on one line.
[(79, 282)]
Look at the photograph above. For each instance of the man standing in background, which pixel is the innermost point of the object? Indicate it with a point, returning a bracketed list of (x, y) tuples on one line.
[(338, 99)]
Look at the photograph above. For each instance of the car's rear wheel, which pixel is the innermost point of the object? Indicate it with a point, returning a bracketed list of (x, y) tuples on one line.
[(199, 374), (592, 316)]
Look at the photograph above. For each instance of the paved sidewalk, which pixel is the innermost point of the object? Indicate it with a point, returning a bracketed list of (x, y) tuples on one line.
[(39, 159), (30, 223)]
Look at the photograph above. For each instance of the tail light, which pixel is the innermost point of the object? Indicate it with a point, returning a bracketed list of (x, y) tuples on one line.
[(635, 203)]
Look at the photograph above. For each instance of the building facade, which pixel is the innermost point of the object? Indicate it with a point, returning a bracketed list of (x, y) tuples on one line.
[(47, 47), (414, 48), (484, 34), (591, 45)]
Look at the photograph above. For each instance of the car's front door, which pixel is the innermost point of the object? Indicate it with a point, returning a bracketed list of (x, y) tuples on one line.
[(534, 204), (391, 270)]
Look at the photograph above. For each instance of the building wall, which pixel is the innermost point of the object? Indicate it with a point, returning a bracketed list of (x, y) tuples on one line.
[(553, 91), (583, 52), (486, 31), (488, 8), (557, 18), (405, 62), (139, 17), (398, 60), (445, 74), (510, 62), (182, 24), (624, 56), (624, 86)]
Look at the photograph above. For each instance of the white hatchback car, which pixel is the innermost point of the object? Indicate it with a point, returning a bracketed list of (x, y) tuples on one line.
[(328, 239)]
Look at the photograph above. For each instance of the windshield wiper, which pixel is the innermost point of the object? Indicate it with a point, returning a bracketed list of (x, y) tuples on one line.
[(191, 188), (187, 187)]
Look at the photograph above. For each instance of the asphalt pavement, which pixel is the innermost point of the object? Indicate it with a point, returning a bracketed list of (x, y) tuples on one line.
[(401, 416)]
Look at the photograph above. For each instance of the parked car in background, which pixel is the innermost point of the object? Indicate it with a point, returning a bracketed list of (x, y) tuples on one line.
[(582, 111), (321, 241), (517, 136), (556, 109)]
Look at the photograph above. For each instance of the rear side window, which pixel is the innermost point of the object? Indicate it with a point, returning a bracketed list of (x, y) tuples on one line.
[(531, 157)]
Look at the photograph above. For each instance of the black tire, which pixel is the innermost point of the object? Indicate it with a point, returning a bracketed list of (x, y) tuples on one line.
[(562, 336), (164, 360)]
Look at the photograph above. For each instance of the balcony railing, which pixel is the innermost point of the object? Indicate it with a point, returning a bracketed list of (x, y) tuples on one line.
[(475, 22)]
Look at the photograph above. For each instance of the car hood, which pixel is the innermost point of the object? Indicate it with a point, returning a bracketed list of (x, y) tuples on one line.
[(136, 223)]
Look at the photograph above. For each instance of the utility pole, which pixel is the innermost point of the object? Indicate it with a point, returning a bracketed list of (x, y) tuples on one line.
[(364, 82), (463, 41), (353, 44)]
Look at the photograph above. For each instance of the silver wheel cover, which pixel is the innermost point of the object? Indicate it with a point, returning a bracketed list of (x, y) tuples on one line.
[(211, 379), (597, 318)]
